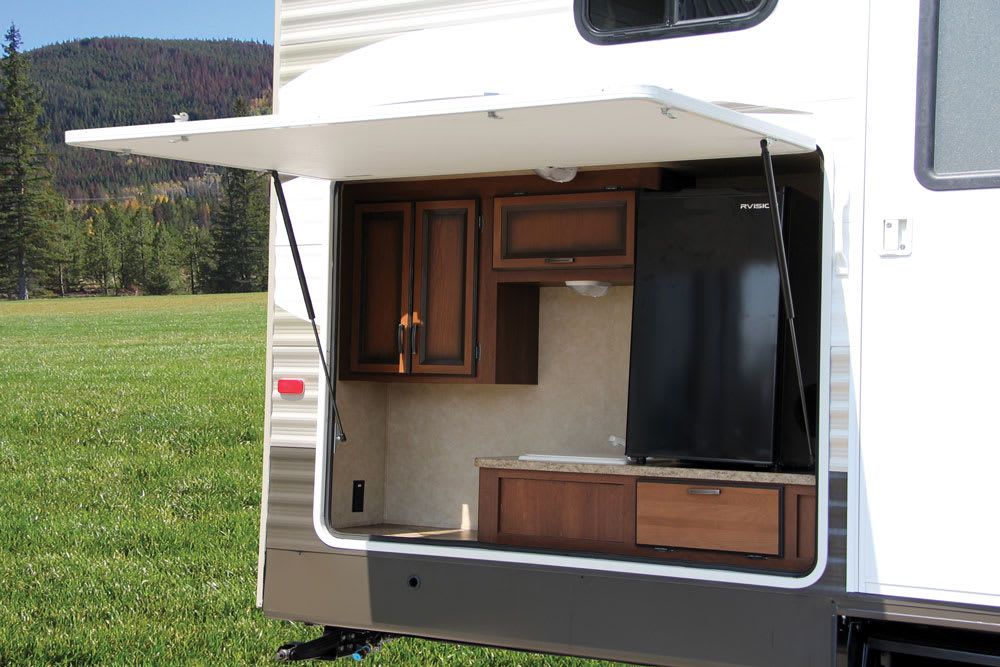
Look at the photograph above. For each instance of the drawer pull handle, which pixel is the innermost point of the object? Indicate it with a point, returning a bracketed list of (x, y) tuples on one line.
[(400, 336), (704, 492), (559, 260)]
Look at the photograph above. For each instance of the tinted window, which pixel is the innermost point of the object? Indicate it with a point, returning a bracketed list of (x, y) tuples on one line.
[(610, 21), (958, 136)]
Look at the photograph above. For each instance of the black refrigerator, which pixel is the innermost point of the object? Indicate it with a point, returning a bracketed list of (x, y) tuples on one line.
[(706, 322)]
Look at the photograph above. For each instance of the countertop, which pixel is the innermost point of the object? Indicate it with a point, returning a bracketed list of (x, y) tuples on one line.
[(649, 471)]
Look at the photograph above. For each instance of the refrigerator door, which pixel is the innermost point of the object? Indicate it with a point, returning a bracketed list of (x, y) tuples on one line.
[(705, 323)]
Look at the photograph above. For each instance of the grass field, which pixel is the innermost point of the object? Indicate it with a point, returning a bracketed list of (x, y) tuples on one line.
[(130, 462)]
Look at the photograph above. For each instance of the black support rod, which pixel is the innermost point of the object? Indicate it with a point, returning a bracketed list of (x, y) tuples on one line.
[(297, 260), (786, 285)]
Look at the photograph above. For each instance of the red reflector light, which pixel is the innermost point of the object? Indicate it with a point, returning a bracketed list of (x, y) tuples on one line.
[(291, 386)]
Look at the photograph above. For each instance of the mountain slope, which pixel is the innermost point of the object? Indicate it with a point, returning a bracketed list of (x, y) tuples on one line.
[(128, 81)]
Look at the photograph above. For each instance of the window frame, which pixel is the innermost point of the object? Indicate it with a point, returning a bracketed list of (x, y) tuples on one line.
[(595, 35), (926, 107)]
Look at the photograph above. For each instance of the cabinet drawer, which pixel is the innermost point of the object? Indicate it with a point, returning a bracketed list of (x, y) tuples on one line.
[(564, 231), (707, 516)]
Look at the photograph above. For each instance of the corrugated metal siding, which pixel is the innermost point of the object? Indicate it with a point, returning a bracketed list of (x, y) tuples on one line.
[(840, 399), (290, 501), (311, 32), (840, 378), (289, 438), (294, 355)]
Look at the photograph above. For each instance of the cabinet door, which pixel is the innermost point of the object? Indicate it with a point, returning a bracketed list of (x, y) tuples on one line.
[(594, 229), (444, 288), (381, 304)]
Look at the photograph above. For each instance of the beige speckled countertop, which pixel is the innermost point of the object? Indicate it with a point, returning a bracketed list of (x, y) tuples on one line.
[(513, 463)]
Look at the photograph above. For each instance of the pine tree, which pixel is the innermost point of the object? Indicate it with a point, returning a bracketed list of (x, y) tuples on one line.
[(26, 194), (99, 250), (239, 231), (196, 257)]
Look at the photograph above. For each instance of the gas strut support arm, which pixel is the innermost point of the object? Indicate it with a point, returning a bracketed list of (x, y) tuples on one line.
[(786, 285)]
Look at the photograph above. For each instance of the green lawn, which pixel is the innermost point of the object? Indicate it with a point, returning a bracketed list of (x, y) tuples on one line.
[(130, 462)]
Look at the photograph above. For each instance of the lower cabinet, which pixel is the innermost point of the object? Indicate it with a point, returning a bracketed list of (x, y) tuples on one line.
[(556, 510), (766, 526)]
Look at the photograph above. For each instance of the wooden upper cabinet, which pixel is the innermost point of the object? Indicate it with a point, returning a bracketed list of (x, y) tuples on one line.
[(594, 229), (381, 304), (414, 286), (444, 288)]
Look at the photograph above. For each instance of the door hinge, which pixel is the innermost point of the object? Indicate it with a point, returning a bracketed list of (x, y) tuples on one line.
[(479, 351)]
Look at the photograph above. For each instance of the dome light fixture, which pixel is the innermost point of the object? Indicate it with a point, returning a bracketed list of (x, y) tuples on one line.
[(594, 288)]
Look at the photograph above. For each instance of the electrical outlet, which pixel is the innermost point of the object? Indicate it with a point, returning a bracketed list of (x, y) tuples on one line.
[(358, 497)]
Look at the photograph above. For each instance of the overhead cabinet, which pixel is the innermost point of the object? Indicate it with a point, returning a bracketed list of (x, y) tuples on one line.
[(590, 229), (414, 287), (419, 299)]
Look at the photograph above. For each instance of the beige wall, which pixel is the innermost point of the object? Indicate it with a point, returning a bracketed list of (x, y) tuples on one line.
[(435, 431), (414, 444), (363, 412)]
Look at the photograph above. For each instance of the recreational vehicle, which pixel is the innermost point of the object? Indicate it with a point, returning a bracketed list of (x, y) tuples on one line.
[(656, 332)]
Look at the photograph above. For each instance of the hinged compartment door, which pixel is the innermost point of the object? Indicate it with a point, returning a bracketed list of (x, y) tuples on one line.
[(444, 288), (381, 304)]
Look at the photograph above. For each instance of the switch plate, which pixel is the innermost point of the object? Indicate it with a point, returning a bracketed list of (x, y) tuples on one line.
[(358, 496)]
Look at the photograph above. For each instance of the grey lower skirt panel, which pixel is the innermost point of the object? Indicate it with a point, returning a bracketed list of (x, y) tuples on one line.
[(642, 620), (651, 621)]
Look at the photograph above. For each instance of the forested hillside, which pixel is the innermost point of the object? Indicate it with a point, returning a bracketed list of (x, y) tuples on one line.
[(127, 81), (80, 221)]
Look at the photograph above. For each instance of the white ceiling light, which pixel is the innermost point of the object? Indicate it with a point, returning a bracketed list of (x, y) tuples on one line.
[(594, 288), (557, 174)]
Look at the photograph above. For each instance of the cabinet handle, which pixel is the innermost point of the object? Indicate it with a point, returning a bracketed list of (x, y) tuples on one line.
[(704, 492), (559, 260), (413, 338), (400, 338)]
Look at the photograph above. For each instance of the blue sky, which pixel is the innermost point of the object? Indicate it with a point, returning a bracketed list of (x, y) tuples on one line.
[(44, 22)]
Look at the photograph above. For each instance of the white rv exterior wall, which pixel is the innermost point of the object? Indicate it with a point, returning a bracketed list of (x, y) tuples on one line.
[(310, 32), (923, 480)]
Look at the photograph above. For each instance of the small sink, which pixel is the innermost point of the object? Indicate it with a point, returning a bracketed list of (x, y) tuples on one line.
[(559, 458)]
